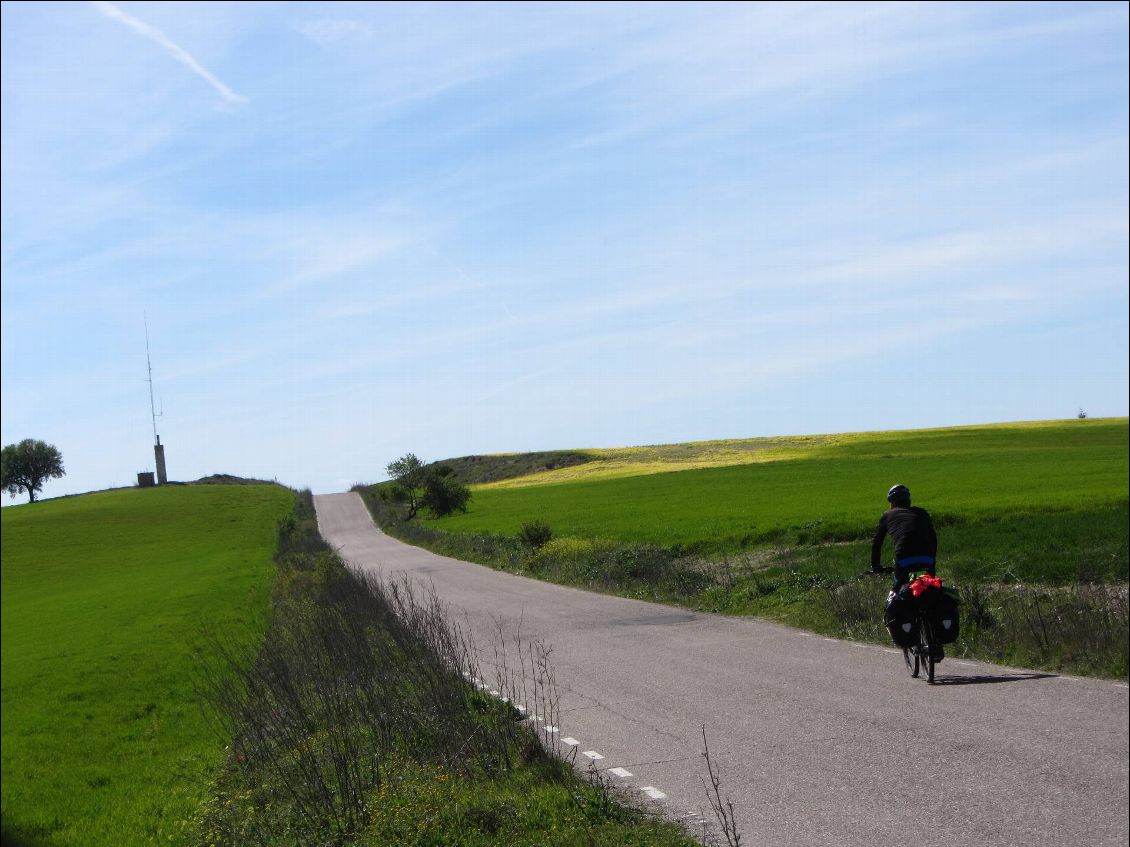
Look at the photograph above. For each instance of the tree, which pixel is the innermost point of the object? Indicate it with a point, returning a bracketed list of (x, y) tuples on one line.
[(29, 464), (407, 474), (443, 493), (433, 487)]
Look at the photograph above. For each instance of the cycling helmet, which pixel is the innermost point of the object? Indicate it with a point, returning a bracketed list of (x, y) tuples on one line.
[(898, 493)]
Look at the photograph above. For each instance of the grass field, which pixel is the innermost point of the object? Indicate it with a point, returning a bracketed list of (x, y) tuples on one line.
[(105, 600), (831, 490)]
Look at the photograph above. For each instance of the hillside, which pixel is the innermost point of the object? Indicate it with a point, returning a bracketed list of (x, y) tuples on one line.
[(521, 470), (491, 468), (732, 495), (107, 599)]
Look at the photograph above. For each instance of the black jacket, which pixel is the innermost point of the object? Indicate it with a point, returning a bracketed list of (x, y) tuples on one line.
[(912, 531)]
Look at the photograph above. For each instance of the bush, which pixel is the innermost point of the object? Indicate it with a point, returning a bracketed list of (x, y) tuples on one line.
[(444, 494), (567, 555), (1082, 628), (858, 606), (1079, 628), (535, 534), (568, 547)]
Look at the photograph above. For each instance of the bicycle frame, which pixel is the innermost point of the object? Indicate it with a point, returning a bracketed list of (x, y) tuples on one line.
[(921, 656)]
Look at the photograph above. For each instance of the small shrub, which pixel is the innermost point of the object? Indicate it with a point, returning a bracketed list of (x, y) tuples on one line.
[(973, 599), (858, 606), (686, 582), (1082, 628), (535, 534), (637, 562)]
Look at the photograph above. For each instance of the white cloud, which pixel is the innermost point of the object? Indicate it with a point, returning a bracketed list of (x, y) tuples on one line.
[(326, 255), (173, 49), (984, 246), (327, 32)]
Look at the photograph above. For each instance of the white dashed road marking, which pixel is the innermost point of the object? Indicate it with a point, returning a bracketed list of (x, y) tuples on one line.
[(650, 790)]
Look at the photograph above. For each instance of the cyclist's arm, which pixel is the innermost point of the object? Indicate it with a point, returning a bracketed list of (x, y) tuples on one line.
[(877, 542)]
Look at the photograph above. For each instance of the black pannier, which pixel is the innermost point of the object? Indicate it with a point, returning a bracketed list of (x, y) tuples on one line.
[(944, 617), (900, 619)]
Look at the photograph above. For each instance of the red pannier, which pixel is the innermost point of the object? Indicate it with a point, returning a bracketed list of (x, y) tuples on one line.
[(940, 605)]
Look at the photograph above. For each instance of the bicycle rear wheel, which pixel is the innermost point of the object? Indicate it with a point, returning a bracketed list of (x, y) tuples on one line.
[(926, 648), (911, 657)]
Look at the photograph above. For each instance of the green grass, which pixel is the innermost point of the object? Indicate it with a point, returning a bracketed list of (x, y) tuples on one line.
[(833, 492), (105, 600), (539, 804)]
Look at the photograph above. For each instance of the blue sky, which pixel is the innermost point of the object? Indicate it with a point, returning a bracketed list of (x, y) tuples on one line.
[(361, 230)]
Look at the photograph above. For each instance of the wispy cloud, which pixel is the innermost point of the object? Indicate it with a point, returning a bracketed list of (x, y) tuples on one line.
[(323, 256), (172, 48), (331, 32)]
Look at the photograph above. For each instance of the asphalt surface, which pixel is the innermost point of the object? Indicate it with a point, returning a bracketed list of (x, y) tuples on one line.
[(817, 741)]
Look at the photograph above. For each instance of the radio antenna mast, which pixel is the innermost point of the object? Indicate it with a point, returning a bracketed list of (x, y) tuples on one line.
[(158, 448), (149, 365)]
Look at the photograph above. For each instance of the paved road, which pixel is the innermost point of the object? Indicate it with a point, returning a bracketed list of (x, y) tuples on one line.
[(818, 741)]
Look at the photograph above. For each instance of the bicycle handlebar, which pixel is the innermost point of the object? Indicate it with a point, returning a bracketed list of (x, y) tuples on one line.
[(872, 572)]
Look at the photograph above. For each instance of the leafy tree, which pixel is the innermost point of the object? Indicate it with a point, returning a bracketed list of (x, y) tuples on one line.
[(443, 493), (29, 464), (422, 486), (408, 474)]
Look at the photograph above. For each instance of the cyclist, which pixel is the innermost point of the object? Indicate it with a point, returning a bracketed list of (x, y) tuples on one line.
[(911, 530)]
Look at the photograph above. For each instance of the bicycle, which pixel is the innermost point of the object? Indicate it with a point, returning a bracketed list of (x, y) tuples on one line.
[(922, 656)]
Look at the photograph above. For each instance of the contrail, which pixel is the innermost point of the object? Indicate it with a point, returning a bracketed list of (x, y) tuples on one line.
[(177, 52)]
